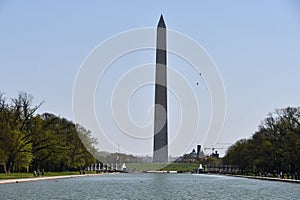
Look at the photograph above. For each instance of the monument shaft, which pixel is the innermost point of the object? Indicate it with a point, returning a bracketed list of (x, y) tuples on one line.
[(160, 150)]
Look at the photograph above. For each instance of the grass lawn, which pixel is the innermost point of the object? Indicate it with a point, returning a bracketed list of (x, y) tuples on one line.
[(30, 174), (136, 167), (181, 167), (141, 167)]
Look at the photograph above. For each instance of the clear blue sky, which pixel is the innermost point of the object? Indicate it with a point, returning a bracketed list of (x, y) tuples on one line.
[(255, 44)]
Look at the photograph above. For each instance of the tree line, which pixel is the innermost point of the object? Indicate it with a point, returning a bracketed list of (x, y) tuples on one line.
[(273, 148), (30, 141)]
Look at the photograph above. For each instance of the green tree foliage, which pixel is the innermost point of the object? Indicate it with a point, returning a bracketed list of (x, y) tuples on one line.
[(30, 141), (57, 145), (274, 147), (15, 119)]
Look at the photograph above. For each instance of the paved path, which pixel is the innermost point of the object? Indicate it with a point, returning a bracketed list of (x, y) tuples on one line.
[(21, 180), (10, 181), (269, 178)]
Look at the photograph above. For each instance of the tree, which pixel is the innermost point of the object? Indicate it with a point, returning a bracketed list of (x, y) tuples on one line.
[(274, 147), (16, 119), (46, 141), (58, 146)]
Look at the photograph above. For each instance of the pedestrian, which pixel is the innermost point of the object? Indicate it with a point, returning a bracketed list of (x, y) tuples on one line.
[(43, 172), (281, 174)]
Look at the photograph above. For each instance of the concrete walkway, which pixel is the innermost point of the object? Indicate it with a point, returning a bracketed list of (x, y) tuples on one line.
[(268, 178), (21, 180)]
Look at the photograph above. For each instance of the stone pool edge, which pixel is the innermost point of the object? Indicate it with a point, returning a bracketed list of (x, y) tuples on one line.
[(22, 180), (266, 178)]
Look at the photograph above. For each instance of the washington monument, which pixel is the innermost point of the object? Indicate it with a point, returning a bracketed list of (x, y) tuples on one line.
[(160, 148)]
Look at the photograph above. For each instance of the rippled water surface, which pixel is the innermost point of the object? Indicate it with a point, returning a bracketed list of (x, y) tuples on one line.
[(151, 186)]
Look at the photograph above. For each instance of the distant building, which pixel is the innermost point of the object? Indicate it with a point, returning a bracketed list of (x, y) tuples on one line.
[(193, 153), (200, 153), (216, 154), (191, 157)]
